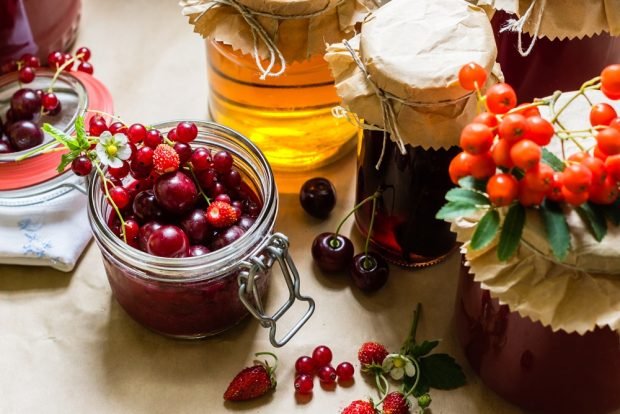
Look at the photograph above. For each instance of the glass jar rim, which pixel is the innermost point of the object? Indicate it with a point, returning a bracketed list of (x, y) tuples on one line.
[(213, 264)]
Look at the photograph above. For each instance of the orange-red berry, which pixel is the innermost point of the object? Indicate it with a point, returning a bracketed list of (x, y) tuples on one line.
[(482, 166), (476, 138), (528, 197), (602, 114), (597, 168), (501, 98), (502, 189), (539, 130), (460, 166), (610, 81), (605, 192), (612, 164), (512, 127), (472, 75), (555, 190), (539, 178), (577, 178), (574, 199), (526, 154), (486, 118), (608, 141), (501, 153)]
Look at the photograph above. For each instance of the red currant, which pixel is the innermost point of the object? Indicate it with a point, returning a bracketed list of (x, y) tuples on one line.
[(222, 161), (501, 98), (86, 67), (55, 59), (327, 374), (305, 365), (186, 132), (232, 179), (201, 159), (304, 384), (131, 229), (120, 172), (26, 74), (345, 371), (67, 58), (85, 52), (118, 128), (97, 126), (49, 101), (119, 196), (184, 151), (136, 133), (30, 60), (322, 356), (144, 156), (82, 166), (153, 138)]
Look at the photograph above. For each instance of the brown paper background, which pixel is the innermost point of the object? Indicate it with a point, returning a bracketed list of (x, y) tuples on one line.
[(297, 39)]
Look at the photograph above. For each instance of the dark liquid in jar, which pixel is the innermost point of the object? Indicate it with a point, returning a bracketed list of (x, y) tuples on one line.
[(530, 365), (413, 186), (552, 64)]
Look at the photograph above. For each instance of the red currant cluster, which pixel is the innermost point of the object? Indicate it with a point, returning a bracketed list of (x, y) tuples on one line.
[(20, 129), (168, 199), (505, 146), (320, 364)]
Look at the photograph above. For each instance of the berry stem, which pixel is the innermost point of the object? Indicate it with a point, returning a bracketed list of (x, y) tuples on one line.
[(417, 378), (198, 185), (275, 360), (60, 69), (410, 341), (377, 194), (589, 85), (107, 194), (115, 117), (382, 385)]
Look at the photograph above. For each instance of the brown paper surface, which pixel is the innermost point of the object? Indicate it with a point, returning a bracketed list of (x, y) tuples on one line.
[(297, 39), (565, 18), (574, 298), (414, 50)]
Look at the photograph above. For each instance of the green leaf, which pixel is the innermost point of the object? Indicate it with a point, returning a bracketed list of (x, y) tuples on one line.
[(66, 159), (62, 137), (472, 184), (512, 229), (420, 389), (455, 209), (467, 196), (594, 218), (551, 160), (424, 348), (441, 371), (556, 228), (485, 230), (612, 212), (80, 133)]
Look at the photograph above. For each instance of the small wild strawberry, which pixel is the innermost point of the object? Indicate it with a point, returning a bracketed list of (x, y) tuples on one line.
[(221, 214), (371, 353), (360, 407), (252, 382), (395, 403), (165, 159)]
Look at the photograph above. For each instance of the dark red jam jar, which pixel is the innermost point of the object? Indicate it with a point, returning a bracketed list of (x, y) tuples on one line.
[(530, 365), (552, 65), (37, 27), (413, 188), (196, 297)]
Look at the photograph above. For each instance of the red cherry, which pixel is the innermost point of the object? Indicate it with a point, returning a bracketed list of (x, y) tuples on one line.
[(119, 196), (136, 133), (327, 374), (120, 172), (55, 60), (118, 128)]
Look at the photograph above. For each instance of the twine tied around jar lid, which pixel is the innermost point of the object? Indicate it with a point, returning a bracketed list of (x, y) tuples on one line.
[(516, 25), (258, 31)]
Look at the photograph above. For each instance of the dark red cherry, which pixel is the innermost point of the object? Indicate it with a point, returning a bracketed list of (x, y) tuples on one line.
[(82, 166), (195, 225), (25, 135), (318, 197), (369, 271), (25, 102), (331, 252), (176, 192), (145, 232), (227, 237), (146, 208), (168, 241), (198, 250)]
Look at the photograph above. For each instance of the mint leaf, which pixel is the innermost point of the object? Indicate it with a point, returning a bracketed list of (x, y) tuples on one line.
[(424, 348), (510, 237), (485, 230), (455, 209), (467, 196), (442, 372), (556, 228), (595, 220), (551, 160), (472, 184)]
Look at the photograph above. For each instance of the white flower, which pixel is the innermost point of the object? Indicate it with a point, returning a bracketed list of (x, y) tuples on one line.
[(398, 366), (112, 150)]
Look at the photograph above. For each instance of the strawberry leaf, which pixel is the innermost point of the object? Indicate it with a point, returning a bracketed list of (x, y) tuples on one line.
[(510, 237), (419, 350), (80, 133), (551, 160), (441, 371), (468, 196), (556, 228), (594, 218), (455, 209), (62, 137), (66, 159), (485, 230), (422, 387)]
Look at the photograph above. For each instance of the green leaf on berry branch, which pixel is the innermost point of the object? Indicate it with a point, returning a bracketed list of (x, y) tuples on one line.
[(420, 389), (442, 372), (80, 133), (420, 350), (510, 237), (594, 218), (454, 209), (66, 159), (468, 196), (60, 136), (612, 212), (556, 228), (486, 230), (472, 184), (551, 160)]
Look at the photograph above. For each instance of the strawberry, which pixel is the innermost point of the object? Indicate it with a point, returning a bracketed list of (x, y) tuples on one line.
[(165, 159), (359, 407), (252, 382), (221, 214), (371, 353), (395, 403)]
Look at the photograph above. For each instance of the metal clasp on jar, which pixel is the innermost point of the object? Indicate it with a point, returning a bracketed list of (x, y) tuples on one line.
[(274, 248)]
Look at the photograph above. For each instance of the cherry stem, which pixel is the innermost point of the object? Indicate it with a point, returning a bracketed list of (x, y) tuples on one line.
[(61, 68), (199, 186), (366, 262), (355, 208), (107, 194)]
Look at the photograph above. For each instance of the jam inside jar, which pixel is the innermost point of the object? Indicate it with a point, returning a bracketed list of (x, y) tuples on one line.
[(530, 365), (413, 188), (196, 297)]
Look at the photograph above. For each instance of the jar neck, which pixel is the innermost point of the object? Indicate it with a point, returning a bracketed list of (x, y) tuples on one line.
[(251, 164)]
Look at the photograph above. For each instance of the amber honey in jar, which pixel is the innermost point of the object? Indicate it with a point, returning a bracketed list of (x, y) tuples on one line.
[(286, 109), (400, 76)]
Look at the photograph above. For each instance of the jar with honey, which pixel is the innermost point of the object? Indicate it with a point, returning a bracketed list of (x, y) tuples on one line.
[(267, 76), (399, 76)]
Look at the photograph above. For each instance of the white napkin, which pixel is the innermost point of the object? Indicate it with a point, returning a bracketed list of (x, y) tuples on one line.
[(53, 232)]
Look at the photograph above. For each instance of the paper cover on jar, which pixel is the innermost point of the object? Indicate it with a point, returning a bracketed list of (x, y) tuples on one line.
[(576, 295), (406, 61), (561, 19), (299, 28)]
